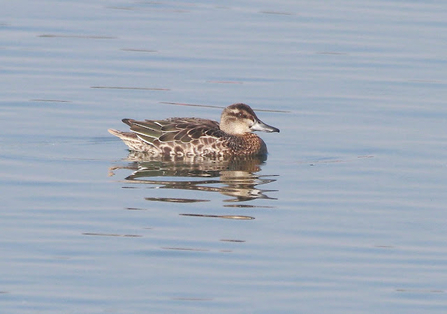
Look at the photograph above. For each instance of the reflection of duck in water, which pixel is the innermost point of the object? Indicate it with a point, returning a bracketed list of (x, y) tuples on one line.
[(199, 137), (235, 176)]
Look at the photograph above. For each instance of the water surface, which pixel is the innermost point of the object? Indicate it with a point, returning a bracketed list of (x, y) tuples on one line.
[(347, 214)]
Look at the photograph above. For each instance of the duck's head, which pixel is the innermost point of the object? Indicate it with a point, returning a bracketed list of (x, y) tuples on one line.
[(238, 119)]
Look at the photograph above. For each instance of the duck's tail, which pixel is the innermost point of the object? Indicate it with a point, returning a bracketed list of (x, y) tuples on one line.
[(130, 139)]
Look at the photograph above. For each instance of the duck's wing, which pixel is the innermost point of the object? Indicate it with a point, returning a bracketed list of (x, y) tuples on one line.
[(174, 129)]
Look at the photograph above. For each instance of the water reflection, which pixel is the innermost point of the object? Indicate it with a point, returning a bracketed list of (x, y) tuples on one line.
[(234, 177)]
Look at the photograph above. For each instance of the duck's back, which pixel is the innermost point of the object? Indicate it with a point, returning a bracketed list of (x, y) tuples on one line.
[(175, 136)]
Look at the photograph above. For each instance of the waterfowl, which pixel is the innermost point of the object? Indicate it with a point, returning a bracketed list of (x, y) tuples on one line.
[(199, 137)]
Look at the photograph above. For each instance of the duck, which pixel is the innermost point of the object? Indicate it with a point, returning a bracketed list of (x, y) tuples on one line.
[(189, 137)]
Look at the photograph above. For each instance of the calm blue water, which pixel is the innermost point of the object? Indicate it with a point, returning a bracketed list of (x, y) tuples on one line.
[(347, 215)]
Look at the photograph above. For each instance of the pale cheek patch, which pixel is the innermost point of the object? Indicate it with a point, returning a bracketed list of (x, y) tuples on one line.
[(240, 128)]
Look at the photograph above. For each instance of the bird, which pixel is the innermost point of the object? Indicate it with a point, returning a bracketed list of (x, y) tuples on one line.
[(199, 137)]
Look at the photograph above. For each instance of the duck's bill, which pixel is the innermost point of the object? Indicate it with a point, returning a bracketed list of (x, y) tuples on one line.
[(261, 126)]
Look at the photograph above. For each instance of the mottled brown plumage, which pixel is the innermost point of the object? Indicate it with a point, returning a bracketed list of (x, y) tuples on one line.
[(199, 137)]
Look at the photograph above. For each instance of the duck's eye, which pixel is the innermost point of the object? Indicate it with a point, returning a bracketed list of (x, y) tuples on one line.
[(239, 115)]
